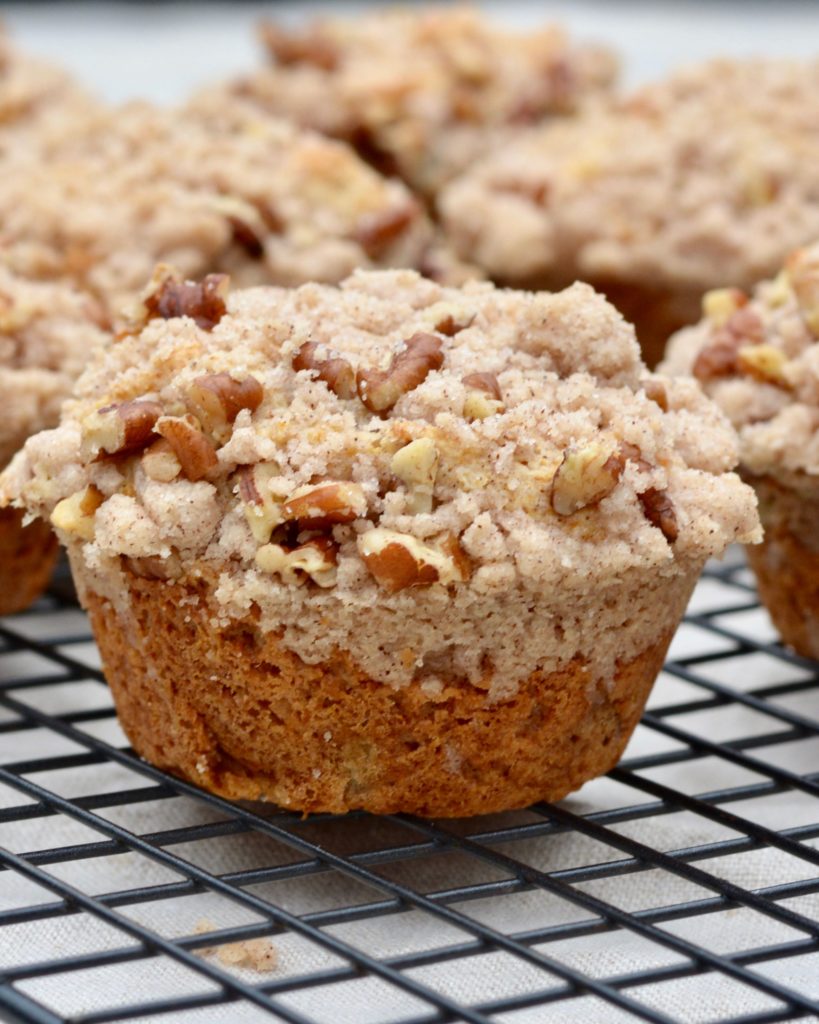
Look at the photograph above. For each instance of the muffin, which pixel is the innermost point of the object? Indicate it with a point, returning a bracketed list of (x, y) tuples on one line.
[(387, 545), (248, 194), (702, 180), (45, 333), (421, 93), (758, 358)]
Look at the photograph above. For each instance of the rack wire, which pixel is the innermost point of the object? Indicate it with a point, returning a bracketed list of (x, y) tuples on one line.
[(682, 887)]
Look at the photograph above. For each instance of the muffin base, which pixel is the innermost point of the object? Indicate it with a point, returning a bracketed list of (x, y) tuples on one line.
[(27, 557), (233, 711), (786, 565)]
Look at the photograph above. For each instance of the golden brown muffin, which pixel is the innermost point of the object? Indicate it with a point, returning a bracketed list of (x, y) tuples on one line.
[(389, 546), (758, 358), (46, 332), (421, 93), (702, 180)]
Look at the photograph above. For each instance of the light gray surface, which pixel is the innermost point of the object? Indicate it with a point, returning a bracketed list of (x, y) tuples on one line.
[(160, 51)]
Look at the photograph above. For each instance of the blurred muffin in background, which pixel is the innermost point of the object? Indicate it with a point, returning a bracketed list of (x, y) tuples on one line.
[(46, 333), (705, 179), (421, 92), (759, 359), (236, 191)]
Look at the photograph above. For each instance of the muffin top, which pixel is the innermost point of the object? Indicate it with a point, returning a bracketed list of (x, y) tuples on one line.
[(422, 93), (758, 358), (705, 178), (410, 433), (249, 194), (46, 331)]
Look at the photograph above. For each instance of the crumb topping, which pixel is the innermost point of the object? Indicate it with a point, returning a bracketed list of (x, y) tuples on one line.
[(703, 178), (758, 357), (46, 331), (246, 194), (421, 93), (343, 458)]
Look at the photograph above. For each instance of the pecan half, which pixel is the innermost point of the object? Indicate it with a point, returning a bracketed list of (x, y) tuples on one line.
[(376, 232), (160, 462), (195, 452), (319, 506), (216, 399), (315, 559), (585, 476), (120, 428), (336, 373), (659, 511), (203, 301), (262, 511), (483, 397), (399, 560), (379, 390), (416, 466), (75, 514)]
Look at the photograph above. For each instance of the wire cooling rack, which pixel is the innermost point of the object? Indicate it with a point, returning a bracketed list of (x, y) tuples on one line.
[(682, 887)]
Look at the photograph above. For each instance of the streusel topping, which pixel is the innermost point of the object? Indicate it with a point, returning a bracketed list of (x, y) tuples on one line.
[(703, 179), (422, 93), (249, 194), (758, 358), (388, 446), (46, 332)]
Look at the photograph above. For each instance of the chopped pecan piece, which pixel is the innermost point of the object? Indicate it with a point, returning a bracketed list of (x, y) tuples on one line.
[(721, 303), (160, 462), (262, 511), (203, 301), (336, 373), (291, 48), (803, 273), (656, 392), (718, 359), (765, 363), (659, 511), (315, 559), (484, 396), (216, 399), (120, 428), (75, 514), (379, 390), (319, 506), (416, 466), (585, 476), (450, 326), (195, 451), (376, 232), (399, 560)]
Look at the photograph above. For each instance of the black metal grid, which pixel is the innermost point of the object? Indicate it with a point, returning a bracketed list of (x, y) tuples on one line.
[(515, 918)]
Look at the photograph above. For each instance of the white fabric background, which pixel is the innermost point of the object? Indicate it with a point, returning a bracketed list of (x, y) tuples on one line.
[(160, 52)]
